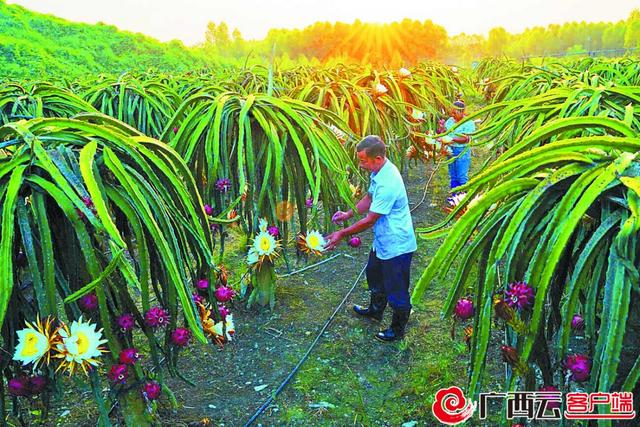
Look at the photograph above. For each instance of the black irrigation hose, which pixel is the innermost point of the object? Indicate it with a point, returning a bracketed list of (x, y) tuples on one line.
[(309, 266), (264, 406), (426, 187)]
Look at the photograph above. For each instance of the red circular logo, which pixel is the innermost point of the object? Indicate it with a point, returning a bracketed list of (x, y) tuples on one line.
[(451, 407)]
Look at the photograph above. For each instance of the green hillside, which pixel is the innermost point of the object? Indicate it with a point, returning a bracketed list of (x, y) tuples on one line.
[(34, 45)]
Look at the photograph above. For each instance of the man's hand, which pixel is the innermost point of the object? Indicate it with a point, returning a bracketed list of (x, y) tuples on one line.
[(340, 217), (334, 238)]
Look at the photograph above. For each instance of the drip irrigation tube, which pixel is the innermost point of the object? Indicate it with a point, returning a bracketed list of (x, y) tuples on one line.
[(309, 266), (426, 187), (284, 383)]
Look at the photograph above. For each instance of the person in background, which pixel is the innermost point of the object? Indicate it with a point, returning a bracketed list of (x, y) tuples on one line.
[(386, 207), (458, 143)]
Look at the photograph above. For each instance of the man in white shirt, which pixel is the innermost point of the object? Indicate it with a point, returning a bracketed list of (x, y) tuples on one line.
[(387, 211)]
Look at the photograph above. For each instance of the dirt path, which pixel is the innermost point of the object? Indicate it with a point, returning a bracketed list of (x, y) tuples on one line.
[(350, 378)]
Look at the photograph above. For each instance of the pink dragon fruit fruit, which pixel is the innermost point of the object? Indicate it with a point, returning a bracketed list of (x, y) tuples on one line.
[(156, 317), (577, 323), (224, 294), (355, 242), (274, 231), (119, 373), (129, 356), (88, 302), (552, 403), (152, 390), (180, 337), (202, 284), (18, 386), (519, 295), (126, 322), (223, 185), (224, 311), (464, 309), (579, 365), (198, 299)]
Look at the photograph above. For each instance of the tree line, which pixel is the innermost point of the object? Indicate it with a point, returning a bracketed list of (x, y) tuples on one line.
[(34, 45)]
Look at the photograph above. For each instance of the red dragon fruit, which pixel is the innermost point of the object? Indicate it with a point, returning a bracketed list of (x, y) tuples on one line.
[(152, 390), (129, 356), (119, 373), (88, 302), (156, 317), (126, 322), (355, 242), (181, 337), (464, 309), (579, 365), (577, 323), (224, 294), (519, 295)]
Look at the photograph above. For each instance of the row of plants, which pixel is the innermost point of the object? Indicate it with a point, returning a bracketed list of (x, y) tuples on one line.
[(103, 232), (261, 143), (550, 224), (116, 195)]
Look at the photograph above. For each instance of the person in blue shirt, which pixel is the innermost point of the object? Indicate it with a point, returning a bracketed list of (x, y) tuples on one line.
[(387, 210), (458, 143)]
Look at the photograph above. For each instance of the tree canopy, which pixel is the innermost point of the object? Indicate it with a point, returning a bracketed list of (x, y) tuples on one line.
[(34, 45)]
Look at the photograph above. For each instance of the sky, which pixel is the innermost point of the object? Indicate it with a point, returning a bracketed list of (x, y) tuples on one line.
[(187, 20)]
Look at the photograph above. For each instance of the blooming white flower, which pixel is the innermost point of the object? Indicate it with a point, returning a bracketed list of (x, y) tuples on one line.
[(32, 346), (315, 241), (262, 224), (417, 114), (381, 89), (457, 198), (475, 200), (80, 345), (264, 243), (339, 134), (404, 72), (228, 324), (252, 256)]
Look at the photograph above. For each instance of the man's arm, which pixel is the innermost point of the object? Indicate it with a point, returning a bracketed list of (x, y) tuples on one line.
[(462, 139), (462, 134), (465, 130), (362, 206)]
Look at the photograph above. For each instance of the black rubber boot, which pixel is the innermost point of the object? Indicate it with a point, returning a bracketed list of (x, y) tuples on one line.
[(376, 307), (396, 330)]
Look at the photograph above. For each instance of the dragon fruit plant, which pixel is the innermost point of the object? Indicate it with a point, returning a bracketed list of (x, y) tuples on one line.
[(557, 221), (263, 251), (283, 161), (87, 205)]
